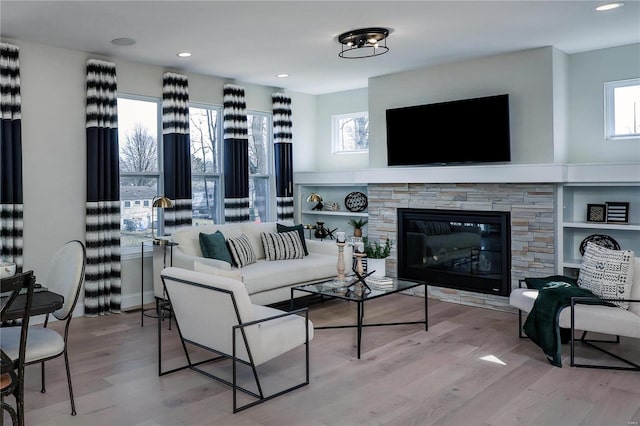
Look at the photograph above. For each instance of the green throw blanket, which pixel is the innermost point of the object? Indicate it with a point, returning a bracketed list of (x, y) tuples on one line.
[(542, 325)]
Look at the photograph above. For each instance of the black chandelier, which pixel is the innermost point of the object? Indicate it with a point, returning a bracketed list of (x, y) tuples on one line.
[(363, 43)]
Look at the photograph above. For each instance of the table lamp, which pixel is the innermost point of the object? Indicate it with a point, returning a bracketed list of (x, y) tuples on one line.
[(162, 202), (315, 198)]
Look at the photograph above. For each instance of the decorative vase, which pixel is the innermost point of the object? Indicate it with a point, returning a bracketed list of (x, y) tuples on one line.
[(321, 231), (357, 232), (378, 266)]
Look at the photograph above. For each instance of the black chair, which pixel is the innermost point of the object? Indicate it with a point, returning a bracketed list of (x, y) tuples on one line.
[(12, 376)]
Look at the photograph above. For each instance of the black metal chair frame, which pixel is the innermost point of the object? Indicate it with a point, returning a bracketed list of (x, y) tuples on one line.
[(16, 283), (240, 327), (588, 342)]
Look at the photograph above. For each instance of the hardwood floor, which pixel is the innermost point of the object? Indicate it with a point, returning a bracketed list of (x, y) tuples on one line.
[(470, 368)]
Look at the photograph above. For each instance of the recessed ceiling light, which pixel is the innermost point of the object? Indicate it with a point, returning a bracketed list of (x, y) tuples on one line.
[(184, 54), (123, 41), (282, 75), (609, 6)]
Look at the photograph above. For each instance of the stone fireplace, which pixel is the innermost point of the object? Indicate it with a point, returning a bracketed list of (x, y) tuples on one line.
[(531, 208)]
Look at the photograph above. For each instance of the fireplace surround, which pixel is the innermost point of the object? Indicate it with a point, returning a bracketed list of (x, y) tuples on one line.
[(460, 249)]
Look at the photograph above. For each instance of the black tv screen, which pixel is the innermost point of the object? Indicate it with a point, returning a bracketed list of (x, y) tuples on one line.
[(462, 131)]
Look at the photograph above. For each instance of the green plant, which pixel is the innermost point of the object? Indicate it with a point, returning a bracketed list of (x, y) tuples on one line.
[(357, 223), (376, 250)]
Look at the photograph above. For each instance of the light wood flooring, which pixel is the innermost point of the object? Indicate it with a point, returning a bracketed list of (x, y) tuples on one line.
[(470, 368)]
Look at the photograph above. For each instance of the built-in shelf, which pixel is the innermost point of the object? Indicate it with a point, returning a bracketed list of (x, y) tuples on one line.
[(332, 213)]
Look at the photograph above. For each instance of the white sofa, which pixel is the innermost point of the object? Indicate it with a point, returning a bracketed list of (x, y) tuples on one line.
[(267, 282)]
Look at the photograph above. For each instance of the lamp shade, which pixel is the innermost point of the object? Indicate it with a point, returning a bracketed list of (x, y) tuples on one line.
[(162, 202), (314, 198)]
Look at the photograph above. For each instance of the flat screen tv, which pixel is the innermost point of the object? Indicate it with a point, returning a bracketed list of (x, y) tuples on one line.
[(462, 131)]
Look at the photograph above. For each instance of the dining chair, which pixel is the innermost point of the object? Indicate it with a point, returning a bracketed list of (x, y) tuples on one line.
[(12, 370), (65, 276)]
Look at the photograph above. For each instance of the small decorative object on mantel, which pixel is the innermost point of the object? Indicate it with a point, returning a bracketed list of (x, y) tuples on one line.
[(596, 212), (601, 240), (357, 226), (617, 212)]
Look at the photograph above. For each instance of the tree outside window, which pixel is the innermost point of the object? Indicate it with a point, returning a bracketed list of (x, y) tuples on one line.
[(350, 132), (259, 129)]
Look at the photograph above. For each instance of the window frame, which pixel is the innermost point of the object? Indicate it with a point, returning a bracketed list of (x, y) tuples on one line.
[(269, 176), (159, 175), (336, 138), (609, 108)]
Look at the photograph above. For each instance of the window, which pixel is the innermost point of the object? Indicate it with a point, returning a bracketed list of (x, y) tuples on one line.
[(138, 130), (350, 132), (206, 136), (622, 109), (260, 149)]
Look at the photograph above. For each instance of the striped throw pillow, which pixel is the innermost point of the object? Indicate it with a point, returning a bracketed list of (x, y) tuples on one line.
[(281, 246), (241, 251)]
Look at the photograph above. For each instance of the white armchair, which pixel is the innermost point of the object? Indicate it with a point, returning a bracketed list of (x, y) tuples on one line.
[(215, 314)]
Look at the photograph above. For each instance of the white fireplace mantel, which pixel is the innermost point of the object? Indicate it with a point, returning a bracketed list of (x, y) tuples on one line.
[(502, 173)]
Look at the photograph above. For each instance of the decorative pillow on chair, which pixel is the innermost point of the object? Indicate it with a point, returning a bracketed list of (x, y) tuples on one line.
[(281, 246), (234, 274), (214, 246), (607, 273), (241, 251), (299, 228)]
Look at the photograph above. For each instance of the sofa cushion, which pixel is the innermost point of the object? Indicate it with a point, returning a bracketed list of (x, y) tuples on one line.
[(282, 245), (214, 246), (234, 274), (607, 273), (284, 228), (241, 251), (253, 230)]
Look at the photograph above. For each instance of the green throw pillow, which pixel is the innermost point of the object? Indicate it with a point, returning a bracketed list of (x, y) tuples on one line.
[(539, 283), (214, 246), (283, 228)]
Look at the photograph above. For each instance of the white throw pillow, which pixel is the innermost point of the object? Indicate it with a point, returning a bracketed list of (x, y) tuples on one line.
[(607, 273), (234, 274), (281, 246), (241, 250)]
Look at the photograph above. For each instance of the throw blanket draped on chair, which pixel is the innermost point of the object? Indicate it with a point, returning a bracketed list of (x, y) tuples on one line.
[(542, 326)]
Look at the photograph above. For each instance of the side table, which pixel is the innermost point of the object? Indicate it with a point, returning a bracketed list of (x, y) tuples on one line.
[(165, 244)]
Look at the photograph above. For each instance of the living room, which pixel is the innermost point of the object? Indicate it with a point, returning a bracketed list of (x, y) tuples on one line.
[(557, 134)]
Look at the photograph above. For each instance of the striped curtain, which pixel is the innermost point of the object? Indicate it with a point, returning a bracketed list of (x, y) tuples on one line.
[(11, 207), (102, 275), (283, 152), (236, 155), (177, 150)]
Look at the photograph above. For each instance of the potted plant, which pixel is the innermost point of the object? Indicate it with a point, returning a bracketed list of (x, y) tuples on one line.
[(376, 253), (357, 226)]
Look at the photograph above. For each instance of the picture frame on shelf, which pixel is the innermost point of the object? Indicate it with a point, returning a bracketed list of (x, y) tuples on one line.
[(617, 212), (596, 212)]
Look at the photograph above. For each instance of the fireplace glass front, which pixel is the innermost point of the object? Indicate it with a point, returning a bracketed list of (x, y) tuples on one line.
[(461, 249)]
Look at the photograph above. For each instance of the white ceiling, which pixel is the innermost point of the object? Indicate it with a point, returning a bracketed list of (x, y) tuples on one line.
[(252, 41)]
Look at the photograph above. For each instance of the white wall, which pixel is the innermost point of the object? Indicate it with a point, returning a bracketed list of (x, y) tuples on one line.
[(303, 113), (527, 76), (588, 73)]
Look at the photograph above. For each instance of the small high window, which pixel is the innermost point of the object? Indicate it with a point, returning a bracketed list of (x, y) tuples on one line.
[(622, 109), (350, 132)]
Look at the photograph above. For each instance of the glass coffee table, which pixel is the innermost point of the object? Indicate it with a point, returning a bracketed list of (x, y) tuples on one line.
[(355, 292)]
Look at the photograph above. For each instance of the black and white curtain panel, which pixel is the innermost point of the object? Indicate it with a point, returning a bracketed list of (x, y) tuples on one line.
[(102, 274), (177, 150), (11, 206), (283, 152), (236, 155)]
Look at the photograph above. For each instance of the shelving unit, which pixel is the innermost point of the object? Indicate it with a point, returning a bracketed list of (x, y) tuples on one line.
[(330, 193), (573, 227)]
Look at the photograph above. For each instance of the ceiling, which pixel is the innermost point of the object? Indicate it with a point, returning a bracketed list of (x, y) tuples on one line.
[(252, 41)]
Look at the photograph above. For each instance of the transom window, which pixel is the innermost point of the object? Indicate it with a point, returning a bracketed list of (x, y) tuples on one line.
[(350, 132), (622, 109)]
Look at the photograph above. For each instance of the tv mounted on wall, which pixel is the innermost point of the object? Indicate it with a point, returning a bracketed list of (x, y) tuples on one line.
[(462, 131)]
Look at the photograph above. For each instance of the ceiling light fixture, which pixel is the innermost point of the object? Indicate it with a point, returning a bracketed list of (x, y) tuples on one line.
[(363, 43), (123, 41), (183, 54), (609, 6), (282, 75)]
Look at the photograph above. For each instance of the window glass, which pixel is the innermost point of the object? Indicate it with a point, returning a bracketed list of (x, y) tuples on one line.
[(206, 137), (260, 149), (139, 167), (622, 115), (350, 132)]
